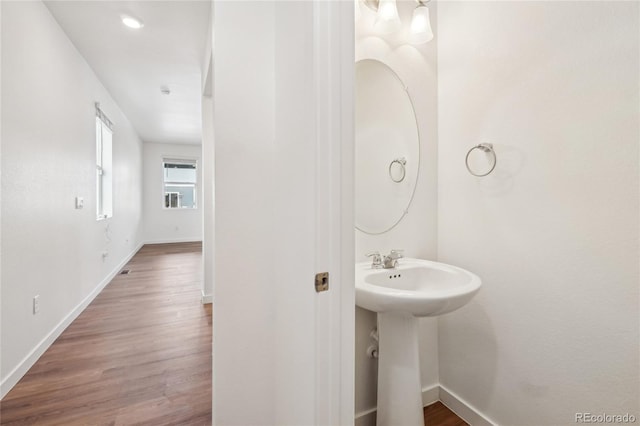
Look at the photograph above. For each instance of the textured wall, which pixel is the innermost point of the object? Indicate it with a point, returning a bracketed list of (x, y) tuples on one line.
[(553, 231), (48, 158)]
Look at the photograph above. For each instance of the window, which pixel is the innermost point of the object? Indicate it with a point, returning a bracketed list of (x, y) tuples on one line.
[(180, 183), (104, 166)]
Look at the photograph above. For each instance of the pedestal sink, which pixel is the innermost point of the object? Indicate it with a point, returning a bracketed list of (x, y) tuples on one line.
[(415, 288)]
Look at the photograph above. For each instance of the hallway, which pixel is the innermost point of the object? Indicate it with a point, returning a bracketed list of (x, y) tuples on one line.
[(139, 354)]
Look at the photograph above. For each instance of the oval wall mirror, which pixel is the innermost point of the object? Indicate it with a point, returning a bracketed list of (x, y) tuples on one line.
[(387, 145)]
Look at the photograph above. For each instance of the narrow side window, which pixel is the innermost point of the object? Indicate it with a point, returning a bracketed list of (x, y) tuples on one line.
[(104, 166)]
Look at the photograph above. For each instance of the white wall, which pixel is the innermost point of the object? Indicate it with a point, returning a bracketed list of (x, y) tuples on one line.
[(163, 225), (208, 199), (208, 168), (48, 158), (243, 339), (553, 231), (416, 233)]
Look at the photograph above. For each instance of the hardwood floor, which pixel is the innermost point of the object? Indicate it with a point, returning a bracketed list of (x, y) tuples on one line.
[(139, 354), (438, 414)]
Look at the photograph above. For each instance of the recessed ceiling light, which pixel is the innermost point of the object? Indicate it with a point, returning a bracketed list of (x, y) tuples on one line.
[(132, 22)]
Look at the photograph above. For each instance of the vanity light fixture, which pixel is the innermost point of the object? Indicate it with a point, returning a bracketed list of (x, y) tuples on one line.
[(132, 22), (387, 19), (420, 31)]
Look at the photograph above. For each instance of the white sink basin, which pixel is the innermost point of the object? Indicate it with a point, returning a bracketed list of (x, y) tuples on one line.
[(418, 287), (415, 288)]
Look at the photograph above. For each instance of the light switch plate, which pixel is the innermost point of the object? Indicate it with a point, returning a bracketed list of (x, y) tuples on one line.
[(79, 202)]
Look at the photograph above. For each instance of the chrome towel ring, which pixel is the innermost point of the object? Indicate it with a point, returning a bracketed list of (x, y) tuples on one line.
[(486, 148), (401, 162)]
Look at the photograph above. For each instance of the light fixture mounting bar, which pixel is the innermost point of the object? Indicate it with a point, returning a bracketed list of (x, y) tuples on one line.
[(373, 4)]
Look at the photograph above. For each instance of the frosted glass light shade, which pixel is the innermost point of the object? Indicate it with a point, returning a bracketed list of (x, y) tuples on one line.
[(387, 19), (420, 31)]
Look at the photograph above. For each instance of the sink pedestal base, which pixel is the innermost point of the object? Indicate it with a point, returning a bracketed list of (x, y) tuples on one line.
[(399, 387)]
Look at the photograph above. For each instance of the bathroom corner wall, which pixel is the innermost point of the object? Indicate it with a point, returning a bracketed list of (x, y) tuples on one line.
[(553, 231), (416, 233)]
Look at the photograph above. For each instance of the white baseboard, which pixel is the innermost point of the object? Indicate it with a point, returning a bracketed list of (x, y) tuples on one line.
[(176, 240), (430, 395), (368, 417), (206, 298), (464, 410), (365, 418), (21, 369)]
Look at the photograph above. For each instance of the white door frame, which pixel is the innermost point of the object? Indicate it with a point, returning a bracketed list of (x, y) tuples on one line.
[(253, 384), (334, 66)]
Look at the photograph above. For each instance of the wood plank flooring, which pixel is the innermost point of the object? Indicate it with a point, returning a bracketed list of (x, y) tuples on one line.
[(438, 414), (139, 354)]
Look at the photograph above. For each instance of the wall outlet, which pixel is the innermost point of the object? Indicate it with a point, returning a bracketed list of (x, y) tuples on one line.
[(36, 304), (79, 202), (105, 254)]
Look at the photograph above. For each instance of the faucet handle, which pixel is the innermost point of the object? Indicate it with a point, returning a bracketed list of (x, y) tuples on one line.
[(391, 260), (397, 253), (377, 259)]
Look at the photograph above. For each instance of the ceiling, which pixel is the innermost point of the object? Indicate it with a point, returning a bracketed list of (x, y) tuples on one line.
[(134, 64)]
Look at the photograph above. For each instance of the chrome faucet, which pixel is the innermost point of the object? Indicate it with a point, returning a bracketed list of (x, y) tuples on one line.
[(391, 260), (376, 259)]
